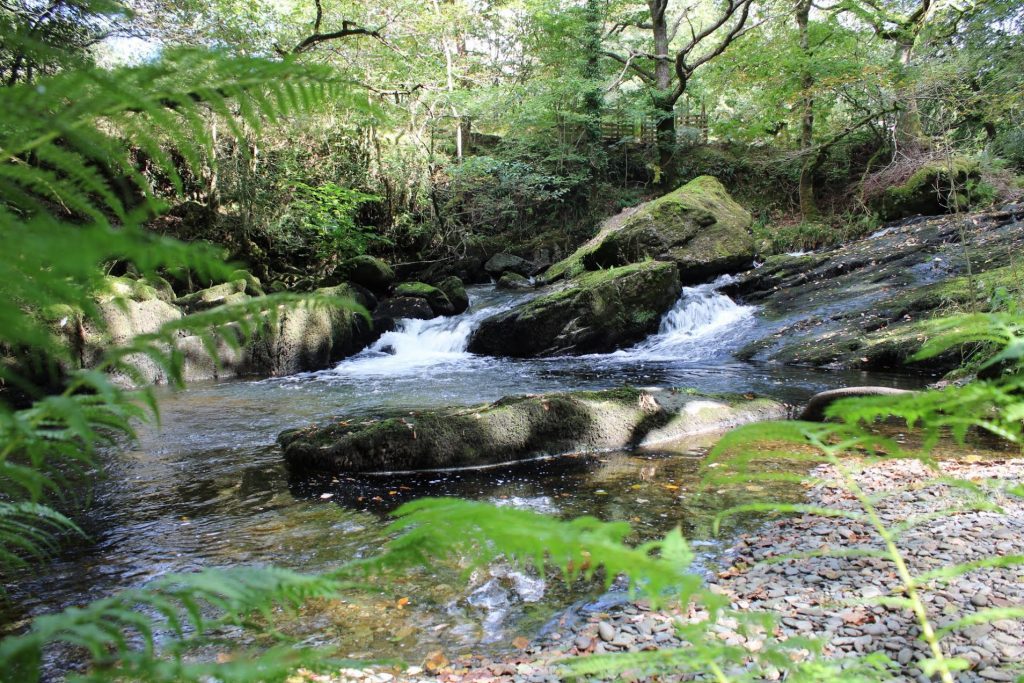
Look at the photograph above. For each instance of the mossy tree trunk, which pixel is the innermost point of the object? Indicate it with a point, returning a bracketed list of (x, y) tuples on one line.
[(809, 210)]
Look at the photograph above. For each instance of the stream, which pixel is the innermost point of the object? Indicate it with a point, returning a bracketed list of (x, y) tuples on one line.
[(208, 488)]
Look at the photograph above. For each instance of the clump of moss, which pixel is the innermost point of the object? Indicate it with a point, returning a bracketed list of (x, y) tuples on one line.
[(699, 227), (439, 302), (935, 188)]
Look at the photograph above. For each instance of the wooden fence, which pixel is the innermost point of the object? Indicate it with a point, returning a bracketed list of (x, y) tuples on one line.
[(645, 131)]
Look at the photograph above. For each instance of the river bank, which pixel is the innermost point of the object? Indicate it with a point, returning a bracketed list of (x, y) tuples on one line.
[(828, 597)]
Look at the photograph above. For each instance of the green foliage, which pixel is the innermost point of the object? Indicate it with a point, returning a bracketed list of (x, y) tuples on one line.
[(180, 612), (328, 212), (850, 442), (71, 202)]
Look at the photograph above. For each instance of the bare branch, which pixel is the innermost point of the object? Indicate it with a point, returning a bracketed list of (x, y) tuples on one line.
[(684, 70), (643, 73), (348, 28)]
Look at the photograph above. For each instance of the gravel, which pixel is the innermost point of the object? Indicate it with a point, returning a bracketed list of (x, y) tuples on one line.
[(833, 598)]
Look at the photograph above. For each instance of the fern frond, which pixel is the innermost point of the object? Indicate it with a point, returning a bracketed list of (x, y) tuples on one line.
[(120, 633), (434, 527)]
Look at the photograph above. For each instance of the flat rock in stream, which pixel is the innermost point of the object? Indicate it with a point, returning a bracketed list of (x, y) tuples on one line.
[(867, 304), (518, 428)]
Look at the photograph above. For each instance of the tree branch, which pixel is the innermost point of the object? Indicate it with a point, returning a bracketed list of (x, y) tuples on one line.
[(685, 70), (348, 28), (628, 62)]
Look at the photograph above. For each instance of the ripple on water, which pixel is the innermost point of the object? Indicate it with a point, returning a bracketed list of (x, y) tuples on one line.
[(207, 488)]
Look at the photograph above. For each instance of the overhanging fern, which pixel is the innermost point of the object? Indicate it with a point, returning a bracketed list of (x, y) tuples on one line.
[(72, 199)]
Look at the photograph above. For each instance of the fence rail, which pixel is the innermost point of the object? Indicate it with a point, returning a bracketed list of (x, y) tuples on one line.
[(645, 131)]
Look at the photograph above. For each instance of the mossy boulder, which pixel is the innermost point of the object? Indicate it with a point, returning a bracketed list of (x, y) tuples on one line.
[(935, 188), (400, 307), (309, 338), (368, 271), (518, 428), (499, 264), (125, 288), (456, 292), (513, 281), (699, 227), (596, 312), (438, 301), (253, 286), (225, 293)]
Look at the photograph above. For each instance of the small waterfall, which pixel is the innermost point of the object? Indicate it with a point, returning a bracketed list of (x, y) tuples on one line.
[(417, 344), (704, 323)]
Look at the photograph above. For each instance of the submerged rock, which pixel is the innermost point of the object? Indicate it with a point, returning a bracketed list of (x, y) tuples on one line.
[(699, 227), (596, 312), (518, 428)]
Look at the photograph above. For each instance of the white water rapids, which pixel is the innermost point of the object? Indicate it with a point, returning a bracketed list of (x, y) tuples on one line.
[(702, 324)]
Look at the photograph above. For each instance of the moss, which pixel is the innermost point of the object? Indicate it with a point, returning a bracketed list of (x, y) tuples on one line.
[(125, 288), (368, 271), (514, 428), (456, 292), (512, 280), (935, 188), (698, 226), (592, 313), (439, 302), (253, 286)]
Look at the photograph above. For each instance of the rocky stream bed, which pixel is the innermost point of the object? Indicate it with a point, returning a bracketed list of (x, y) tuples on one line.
[(829, 597)]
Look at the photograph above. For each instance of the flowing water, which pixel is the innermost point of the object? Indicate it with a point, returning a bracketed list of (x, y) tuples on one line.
[(207, 487)]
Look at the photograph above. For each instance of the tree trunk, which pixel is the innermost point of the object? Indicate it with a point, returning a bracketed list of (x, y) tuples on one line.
[(909, 129), (809, 210), (664, 102)]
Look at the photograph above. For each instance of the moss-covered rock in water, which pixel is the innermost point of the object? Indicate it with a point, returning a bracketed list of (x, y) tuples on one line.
[(456, 291), (936, 188), (400, 307), (311, 338), (368, 271), (594, 313), (519, 428), (699, 227), (513, 281), (439, 302)]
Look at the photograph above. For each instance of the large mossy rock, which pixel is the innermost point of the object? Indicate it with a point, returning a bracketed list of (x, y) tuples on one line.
[(699, 227), (594, 313), (368, 271), (513, 281), (438, 301), (311, 338), (399, 307), (499, 264), (936, 188), (298, 339), (870, 303), (519, 428), (211, 297), (456, 292)]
